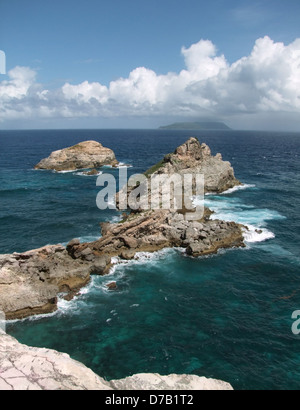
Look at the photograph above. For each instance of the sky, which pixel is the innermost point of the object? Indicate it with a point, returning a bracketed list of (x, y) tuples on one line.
[(146, 63)]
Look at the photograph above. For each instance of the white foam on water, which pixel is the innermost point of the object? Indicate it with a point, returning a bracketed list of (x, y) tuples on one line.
[(253, 234), (68, 171), (123, 165), (232, 190), (231, 208), (74, 306), (85, 239), (238, 188), (85, 174)]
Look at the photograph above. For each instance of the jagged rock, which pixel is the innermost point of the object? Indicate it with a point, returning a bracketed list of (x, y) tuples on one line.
[(193, 157), (87, 154), (177, 382), (31, 281), (154, 230), (127, 254), (30, 368), (112, 286), (101, 265)]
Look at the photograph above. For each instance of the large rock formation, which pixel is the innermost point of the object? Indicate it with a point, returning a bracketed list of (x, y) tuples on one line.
[(30, 282), (195, 158), (151, 231), (30, 368), (87, 154)]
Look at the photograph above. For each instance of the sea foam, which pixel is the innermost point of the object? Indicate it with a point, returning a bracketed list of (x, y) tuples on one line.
[(232, 208)]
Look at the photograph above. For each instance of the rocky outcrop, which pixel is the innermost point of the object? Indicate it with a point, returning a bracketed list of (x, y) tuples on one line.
[(154, 381), (29, 368), (195, 158), (31, 281), (87, 154), (151, 231)]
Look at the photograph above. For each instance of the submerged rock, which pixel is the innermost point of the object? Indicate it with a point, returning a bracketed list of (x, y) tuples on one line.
[(87, 154)]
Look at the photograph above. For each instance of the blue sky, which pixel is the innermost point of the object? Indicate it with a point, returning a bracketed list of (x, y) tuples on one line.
[(96, 42)]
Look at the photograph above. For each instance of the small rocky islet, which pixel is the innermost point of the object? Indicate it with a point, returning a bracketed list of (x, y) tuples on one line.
[(31, 282), (85, 155)]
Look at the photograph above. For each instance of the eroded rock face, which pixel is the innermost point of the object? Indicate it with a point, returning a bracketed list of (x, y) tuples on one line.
[(193, 157), (31, 281), (151, 231), (154, 381), (87, 154), (30, 368)]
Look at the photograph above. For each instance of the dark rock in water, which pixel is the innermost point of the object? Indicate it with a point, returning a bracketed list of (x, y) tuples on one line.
[(112, 285), (92, 172)]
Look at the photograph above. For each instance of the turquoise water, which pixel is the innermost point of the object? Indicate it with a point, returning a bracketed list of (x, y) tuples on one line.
[(226, 316)]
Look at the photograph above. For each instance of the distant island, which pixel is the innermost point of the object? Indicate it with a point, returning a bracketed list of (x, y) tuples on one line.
[(196, 126)]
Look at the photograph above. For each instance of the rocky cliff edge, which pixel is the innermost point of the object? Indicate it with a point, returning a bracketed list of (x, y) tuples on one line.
[(30, 368)]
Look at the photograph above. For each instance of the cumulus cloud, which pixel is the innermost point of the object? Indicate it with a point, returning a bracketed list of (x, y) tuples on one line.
[(268, 80)]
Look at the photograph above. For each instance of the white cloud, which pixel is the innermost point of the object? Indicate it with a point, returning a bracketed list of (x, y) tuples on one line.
[(20, 80), (268, 80)]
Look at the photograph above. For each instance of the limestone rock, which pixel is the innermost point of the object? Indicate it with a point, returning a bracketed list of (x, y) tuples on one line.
[(30, 282), (151, 231), (193, 157), (87, 154), (155, 381), (30, 368)]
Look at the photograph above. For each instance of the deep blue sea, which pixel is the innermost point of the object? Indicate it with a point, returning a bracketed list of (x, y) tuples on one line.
[(226, 316)]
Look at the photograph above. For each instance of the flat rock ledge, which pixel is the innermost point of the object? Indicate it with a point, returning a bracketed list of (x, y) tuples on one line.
[(30, 368), (85, 155)]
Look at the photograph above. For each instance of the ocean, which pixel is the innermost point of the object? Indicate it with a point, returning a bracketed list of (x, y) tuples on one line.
[(226, 316)]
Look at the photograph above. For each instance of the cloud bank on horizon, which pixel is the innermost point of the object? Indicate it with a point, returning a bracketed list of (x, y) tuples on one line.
[(267, 81)]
